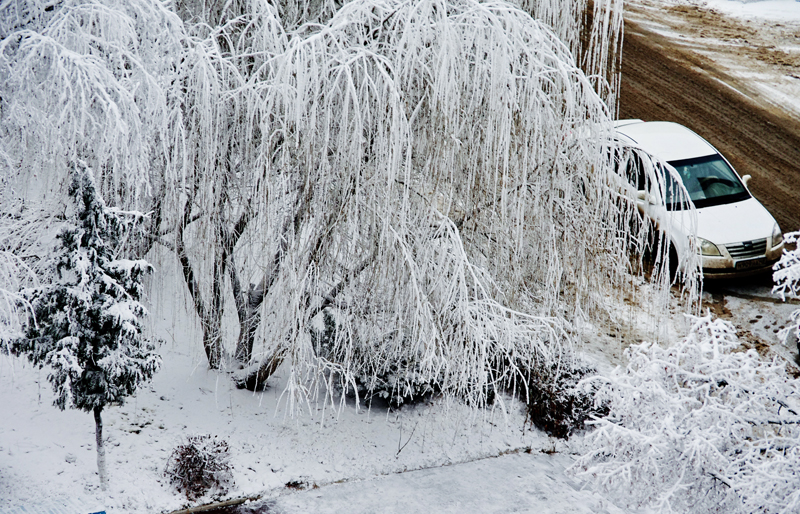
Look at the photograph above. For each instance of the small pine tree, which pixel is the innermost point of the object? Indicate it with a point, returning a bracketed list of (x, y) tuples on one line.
[(85, 324)]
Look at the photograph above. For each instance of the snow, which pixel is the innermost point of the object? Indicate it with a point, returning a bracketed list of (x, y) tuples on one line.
[(44, 449), (687, 418), (510, 483), (362, 460), (372, 450), (771, 10)]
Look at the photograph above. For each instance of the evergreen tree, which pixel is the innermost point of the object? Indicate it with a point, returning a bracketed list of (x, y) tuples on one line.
[(85, 323)]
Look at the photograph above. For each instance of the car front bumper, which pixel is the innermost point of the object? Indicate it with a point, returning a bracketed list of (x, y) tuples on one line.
[(725, 266)]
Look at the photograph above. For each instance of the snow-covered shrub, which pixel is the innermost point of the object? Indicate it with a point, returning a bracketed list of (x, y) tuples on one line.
[(200, 465), (84, 322), (699, 427), (557, 400), (400, 383), (396, 383), (786, 276)]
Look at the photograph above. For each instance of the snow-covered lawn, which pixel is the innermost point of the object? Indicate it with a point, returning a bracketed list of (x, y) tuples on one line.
[(44, 450), (533, 483)]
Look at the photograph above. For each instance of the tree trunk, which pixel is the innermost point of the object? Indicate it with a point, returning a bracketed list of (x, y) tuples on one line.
[(247, 336), (212, 342), (101, 450), (254, 378), (249, 320)]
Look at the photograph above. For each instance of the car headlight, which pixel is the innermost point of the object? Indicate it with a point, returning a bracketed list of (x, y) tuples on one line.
[(706, 247), (777, 235)]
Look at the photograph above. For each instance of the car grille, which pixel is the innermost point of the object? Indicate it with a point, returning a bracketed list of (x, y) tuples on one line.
[(747, 249)]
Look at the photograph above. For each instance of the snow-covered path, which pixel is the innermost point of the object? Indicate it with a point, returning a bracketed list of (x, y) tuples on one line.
[(522, 482)]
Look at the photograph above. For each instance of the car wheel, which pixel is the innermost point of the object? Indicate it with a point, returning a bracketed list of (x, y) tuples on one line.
[(673, 264)]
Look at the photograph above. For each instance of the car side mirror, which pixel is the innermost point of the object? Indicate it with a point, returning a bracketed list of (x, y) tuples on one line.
[(746, 179), (644, 197)]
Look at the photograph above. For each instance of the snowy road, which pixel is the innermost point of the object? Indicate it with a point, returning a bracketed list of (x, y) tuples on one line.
[(666, 79), (512, 483)]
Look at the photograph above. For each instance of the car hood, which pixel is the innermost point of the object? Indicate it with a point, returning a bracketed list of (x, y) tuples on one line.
[(734, 222)]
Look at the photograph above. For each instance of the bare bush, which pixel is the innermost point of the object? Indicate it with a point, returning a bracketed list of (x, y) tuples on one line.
[(557, 400), (199, 466)]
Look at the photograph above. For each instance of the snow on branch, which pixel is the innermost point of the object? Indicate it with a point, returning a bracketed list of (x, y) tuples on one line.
[(18, 14), (701, 426), (104, 65), (786, 274)]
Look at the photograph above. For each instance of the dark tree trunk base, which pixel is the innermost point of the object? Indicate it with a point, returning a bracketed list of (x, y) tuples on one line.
[(254, 378)]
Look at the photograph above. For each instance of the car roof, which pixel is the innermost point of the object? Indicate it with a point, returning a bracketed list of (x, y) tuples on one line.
[(664, 139)]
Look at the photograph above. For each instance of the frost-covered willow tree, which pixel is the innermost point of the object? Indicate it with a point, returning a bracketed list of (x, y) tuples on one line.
[(592, 30), (436, 176), (12, 304), (90, 83)]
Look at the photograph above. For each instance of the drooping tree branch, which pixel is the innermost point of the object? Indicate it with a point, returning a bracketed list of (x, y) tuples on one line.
[(254, 377)]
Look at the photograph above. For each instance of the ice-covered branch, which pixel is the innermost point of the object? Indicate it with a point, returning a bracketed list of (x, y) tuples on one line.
[(685, 419)]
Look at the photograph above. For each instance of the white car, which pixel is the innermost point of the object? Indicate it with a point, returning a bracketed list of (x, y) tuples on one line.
[(732, 232)]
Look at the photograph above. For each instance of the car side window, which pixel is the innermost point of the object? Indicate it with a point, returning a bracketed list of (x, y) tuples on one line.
[(674, 198), (631, 162)]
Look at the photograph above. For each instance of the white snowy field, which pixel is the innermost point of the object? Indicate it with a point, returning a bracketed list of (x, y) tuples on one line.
[(47, 457), (48, 451), (361, 460), (533, 483), (775, 11)]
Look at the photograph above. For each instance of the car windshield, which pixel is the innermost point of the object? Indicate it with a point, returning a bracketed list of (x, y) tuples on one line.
[(710, 181)]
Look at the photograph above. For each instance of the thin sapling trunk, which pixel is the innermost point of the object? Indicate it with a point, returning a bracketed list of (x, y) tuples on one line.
[(101, 450)]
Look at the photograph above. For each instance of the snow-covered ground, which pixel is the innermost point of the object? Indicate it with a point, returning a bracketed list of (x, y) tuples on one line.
[(533, 483), (44, 450), (47, 457), (770, 10)]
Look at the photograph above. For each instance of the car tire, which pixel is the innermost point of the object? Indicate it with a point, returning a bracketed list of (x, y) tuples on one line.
[(673, 263)]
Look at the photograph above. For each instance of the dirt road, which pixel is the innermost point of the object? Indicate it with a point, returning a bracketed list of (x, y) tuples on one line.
[(661, 81)]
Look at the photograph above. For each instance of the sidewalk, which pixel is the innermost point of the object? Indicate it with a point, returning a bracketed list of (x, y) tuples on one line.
[(534, 483)]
